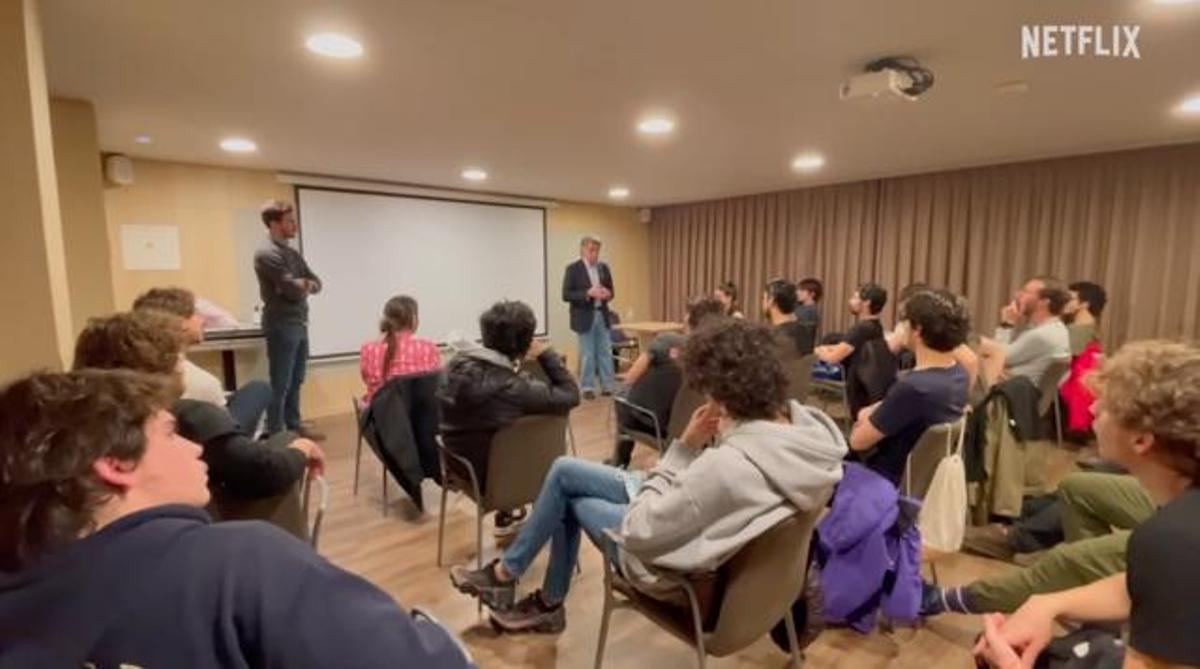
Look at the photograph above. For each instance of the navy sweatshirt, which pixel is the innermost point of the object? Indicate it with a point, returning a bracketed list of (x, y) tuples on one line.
[(167, 588)]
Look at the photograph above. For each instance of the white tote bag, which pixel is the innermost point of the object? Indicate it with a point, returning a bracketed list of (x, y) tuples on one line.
[(943, 518)]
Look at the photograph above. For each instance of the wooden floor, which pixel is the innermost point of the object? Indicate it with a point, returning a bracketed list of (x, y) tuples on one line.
[(398, 553)]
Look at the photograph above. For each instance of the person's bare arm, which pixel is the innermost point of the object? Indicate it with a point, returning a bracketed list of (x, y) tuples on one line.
[(834, 354), (638, 369)]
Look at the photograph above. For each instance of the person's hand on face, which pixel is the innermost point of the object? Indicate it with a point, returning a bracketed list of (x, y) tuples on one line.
[(1011, 313), (536, 348), (703, 426)]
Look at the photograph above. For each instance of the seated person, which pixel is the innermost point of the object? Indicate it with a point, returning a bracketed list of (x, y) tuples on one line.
[(808, 302), (898, 337), (1147, 419), (779, 306), (1082, 314), (248, 403), (870, 367), (1098, 512), (933, 392), (485, 391), (238, 467), (747, 460), (655, 378), (1042, 337), (727, 295), (108, 559), (399, 352)]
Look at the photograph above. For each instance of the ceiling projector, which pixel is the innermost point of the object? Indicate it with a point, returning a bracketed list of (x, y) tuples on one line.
[(900, 76)]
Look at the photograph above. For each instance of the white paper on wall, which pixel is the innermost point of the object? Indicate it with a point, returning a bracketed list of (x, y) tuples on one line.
[(150, 247)]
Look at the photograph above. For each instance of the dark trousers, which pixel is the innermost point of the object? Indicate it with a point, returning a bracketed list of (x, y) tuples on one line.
[(287, 357), (248, 403)]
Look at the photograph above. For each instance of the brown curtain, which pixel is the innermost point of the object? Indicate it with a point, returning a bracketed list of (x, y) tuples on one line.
[(1129, 221)]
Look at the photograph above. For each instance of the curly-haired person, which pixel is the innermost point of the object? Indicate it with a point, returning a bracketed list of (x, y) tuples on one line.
[(747, 459)]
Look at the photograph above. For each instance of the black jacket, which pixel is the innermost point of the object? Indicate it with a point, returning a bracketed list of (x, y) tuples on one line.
[(576, 284), (484, 393), (1021, 397), (164, 587), (401, 426), (238, 466)]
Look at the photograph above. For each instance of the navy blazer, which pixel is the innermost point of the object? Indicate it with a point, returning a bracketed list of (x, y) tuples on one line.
[(576, 284)]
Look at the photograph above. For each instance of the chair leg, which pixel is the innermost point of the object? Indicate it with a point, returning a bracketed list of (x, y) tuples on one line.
[(357, 461), (604, 616), (1058, 421), (383, 479), (479, 551), (793, 642), (441, 524), (571, 438), (933, 572)]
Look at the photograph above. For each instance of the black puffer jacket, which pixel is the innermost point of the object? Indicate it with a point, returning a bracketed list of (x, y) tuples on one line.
[(484, 393)]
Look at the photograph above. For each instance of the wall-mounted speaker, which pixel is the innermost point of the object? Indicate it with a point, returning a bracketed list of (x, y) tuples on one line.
[(118, 170)]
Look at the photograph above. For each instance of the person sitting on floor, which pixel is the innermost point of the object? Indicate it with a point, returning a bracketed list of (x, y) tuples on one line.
[(748, 459), (398, 352), (486, 390), (779, 307), (1147, 419), (248, 403), (239, 467), (727, 295), (108, 559), (655, 378), (933, 392)]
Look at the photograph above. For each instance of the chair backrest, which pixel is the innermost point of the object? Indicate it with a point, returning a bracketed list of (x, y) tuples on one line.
[(923, 459), (1051, 379), (285, 511), (687, 400), (799, 374), (519, 458), (763, 580)]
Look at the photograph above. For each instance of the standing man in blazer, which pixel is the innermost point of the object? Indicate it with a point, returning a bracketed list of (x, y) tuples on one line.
[(588, 288)]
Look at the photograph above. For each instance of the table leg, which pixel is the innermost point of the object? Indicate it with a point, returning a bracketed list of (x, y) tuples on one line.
[(229, 369)]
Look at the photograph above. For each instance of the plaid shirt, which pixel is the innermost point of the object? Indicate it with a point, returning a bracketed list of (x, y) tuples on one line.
[(413, 356)]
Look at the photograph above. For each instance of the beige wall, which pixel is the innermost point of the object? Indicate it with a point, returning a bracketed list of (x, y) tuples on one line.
[(206, 202), (33, 286), (81, 201)]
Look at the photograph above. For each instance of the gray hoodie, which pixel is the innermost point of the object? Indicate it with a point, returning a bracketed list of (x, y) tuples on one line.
[(699, 507)]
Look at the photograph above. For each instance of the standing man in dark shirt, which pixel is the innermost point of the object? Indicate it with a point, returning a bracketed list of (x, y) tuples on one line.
[(588, 288), (870, 367), (933, 392), (284, 284), (779, 307)]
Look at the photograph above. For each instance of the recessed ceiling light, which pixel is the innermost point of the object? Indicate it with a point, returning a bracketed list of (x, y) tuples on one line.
[(474, 174), (143, 139), (1190, 105), (618, 192), (807, 162), (656, 125), (1173, 2), (238, 145), (334, 45)]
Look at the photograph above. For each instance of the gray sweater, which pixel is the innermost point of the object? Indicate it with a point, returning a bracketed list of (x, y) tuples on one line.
[(277, 266), (697, 508)]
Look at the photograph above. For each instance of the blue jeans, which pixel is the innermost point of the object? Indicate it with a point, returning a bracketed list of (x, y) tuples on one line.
[(596, 357), (248, 403), (576, 495), (287, 356)]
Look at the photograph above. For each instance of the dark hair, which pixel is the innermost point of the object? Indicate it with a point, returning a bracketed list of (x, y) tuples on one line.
[(399, 314), (703, 310), (143, 341), (55, 427), (940, 317), (736, 363), (730, 288), (874, 295), (783, 294), (175, 301), (910, 290), (813, 286), (274, 211), (1093, 294), (508, 327), (1054, 291)]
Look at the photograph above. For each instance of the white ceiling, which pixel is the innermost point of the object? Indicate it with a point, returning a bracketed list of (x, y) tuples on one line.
[(544, 94)]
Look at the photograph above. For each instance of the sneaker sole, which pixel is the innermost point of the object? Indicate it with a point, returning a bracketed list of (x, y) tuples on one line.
[(499, 598), (540, 627)]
